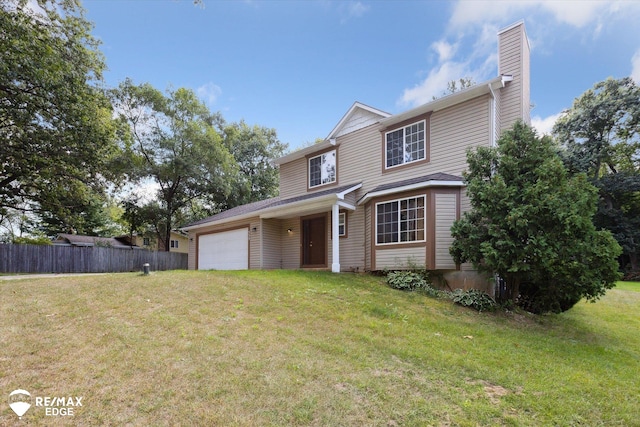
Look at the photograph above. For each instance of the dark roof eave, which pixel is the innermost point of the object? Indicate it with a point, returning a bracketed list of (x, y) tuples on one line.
[(431, 180), (271, 205)]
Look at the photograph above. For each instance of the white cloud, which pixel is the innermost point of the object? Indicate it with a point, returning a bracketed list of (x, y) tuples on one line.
[(544, 125), (444, 49), (209, 93), (435, 83), (352, 9), (357, 9), (635, 67), (479, 64), (575, 13), (468, 46)]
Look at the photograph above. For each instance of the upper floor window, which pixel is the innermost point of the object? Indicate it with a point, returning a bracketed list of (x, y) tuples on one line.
[(322, 169), (406, 144)]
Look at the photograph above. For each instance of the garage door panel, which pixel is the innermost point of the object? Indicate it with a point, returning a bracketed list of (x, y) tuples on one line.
[(227, 250)]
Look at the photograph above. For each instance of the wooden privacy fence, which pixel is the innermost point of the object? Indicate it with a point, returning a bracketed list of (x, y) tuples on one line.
[(74, 259)]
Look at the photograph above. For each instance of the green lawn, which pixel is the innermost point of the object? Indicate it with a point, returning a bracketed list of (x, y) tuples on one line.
[(278, 348)]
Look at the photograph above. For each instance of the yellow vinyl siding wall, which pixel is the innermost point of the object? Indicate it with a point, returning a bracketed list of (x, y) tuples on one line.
[(446, 212)]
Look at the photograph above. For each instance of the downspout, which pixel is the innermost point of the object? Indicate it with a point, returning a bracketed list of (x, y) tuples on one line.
[(493, 116)]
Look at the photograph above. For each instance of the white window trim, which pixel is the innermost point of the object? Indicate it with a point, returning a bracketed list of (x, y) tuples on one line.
[(342, 216), (404, 154), (375, 234), (335, 178)]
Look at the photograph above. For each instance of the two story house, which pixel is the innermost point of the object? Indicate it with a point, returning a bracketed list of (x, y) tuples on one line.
[(382, 191)]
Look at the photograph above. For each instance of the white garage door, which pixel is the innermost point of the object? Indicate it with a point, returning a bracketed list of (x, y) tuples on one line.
[(228, 250)]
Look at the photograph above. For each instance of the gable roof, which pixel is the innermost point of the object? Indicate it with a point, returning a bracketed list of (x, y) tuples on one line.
[(357, 117), (276, 206)]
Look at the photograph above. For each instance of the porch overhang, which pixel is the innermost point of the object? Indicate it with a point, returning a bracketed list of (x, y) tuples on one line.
[(322, 201), (308, 206)]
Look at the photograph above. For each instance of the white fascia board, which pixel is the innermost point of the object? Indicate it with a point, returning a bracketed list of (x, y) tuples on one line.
[(346, 205), (347, 191), (409, 187)]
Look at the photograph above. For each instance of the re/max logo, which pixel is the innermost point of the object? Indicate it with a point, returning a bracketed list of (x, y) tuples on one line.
[(59, 401)]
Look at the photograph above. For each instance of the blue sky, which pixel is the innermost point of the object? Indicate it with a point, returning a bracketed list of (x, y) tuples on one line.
[(298, 66)]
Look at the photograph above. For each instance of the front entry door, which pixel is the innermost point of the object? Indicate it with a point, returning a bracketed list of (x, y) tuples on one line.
[(314, 242)]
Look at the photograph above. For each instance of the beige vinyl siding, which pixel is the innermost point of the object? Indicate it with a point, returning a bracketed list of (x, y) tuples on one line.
[(359, 157), (294, 179), (352, 246), (191, 260), (368, 217), (455, 129), (513, 54), (290, 243), (452, 131), (400, 258), (254, 244), (360, 153), (446, 212), (272, 243)]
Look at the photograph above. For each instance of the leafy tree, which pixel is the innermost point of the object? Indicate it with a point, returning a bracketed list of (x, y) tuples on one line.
[(531, 223), (456, 85), (253, 148), (600, 134), (174, 142), (76, 210), (56, 128), (132, 217)]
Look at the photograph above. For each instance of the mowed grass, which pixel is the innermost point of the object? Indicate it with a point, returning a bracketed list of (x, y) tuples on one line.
[(279, 348)]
